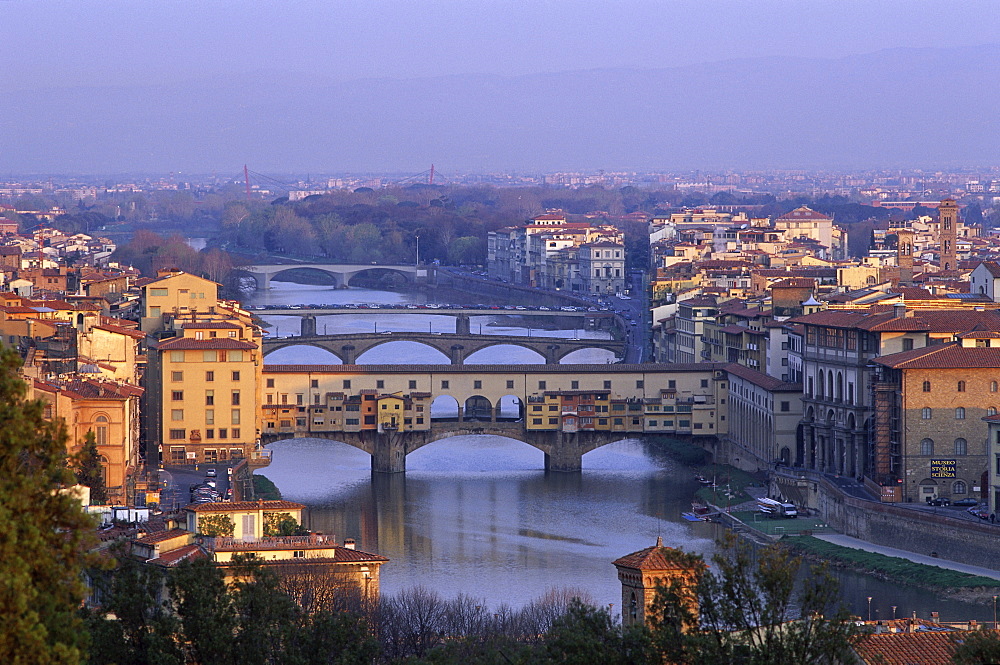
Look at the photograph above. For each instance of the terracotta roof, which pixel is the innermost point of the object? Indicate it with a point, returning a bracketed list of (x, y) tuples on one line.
[(210, 324), (919, 648), (943, 356), (121, 331), (174, 557), (243, 505), (651, 369), (928, 320), (92, 389), (763, 380), (805, 213), (347, 555), (180, 343), (651, 558), (160, 536)]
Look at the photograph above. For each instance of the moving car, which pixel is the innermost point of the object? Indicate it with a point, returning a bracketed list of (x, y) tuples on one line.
[(968, 501)]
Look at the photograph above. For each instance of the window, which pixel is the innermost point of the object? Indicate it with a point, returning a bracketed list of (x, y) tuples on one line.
[(553, 407), (177, 414), (553, 421), (671, 383), (347, 384), (209, 416), (960, 413), (925, 413), (412, 385), (210, 376), (102, 430), (961, 446), (652, 423), (993, 386), (176, 356), (991, 411), (210, 433), (209, 356), (314, 383), (536, 421), (159, 293), (536, 407), (235, 417), (236, 398), (235, 432), (351, 421), (958, 487), (961, 386), (177, 376), (270, 383), (445, 385), (209, 397), (223, 433), (640, 384), (927, 386), (299, 397), (574, 385), (541, 385), (704, 383), (510, 385), (477, 385), (236, 376), (178, 434), (907, 344), (177, 395), (786, 406), (926, 447), (607, 385), (380, 384)]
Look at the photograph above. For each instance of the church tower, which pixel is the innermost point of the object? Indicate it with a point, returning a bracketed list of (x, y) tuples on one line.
[(641, 571), (904, 256), (948, 218)]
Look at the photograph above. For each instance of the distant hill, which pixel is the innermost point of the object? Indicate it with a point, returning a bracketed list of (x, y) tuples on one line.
[(912, 107)]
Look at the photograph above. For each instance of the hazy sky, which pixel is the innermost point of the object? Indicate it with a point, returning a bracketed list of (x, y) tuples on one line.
[(86, 42)]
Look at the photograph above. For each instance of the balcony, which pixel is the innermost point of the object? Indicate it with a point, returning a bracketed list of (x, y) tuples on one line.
[(314, 541)]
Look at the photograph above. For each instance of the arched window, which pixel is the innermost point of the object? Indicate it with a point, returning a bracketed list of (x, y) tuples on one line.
[(958, 487), (633, 608), (961, 386), (829, 385), (993, 386), (961, 446), (991, 411), (960, 413), (927, 447), (927, 386), (101, 433), (925, 413), (840, 386), (821, 384)]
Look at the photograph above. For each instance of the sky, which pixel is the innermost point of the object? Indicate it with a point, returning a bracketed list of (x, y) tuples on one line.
[(111, 42), (107, 86)]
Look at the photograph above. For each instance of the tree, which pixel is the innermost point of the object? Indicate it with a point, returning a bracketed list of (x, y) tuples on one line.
[(205, 609), (979, 647), (752, 612), (216, 525), (586, 635), (45, 533), (89, 471)]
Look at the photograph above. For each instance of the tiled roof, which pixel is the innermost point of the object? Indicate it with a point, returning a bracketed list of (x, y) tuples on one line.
[(210, 324), (919, 648), (121, 331), (160, 536), (181, 343), (763, 380), (804, 213), (237, 506), (174, 557), (992, 266), (656, 557), (936, 320), (496, 369), (943, 356)]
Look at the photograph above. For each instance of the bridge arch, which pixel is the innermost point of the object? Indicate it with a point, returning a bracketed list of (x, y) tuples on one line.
[(377, 272), (444, 408), (509, 408), (443, 356), (585, 356), (535, 357), (335, 278), (278, 345)]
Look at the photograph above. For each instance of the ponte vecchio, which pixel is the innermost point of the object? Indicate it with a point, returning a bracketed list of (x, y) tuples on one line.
[(563, 410)]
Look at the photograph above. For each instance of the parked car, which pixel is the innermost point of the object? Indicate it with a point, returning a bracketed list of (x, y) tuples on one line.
[(939, 501), (210, 472), (968, 501)]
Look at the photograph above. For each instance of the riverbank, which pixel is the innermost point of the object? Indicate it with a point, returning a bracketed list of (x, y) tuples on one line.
[(953, 583)]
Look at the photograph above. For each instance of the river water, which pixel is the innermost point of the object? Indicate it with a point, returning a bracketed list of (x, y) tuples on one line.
[(477, 515)]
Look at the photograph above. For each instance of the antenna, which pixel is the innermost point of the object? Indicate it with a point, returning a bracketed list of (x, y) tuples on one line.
[(246, 179)]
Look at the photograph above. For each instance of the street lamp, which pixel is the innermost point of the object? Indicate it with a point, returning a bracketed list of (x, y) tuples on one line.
[(869, 608), (994, 612)]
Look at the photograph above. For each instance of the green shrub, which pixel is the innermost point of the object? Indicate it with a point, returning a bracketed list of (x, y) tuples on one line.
[(263, 488)]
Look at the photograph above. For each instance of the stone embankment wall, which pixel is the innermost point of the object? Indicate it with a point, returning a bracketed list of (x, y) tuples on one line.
[(975, 543)]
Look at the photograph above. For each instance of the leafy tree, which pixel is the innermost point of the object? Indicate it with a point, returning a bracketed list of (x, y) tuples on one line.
[(752, 612), (980, 647), (282, 524), (89, 471), (205, 609), (216, 525), (45, 533), (586, 635)]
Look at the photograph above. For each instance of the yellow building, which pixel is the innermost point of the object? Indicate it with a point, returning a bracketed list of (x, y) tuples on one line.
[(174, 293)]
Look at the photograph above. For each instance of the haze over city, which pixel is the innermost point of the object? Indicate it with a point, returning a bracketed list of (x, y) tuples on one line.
[(519, 86)]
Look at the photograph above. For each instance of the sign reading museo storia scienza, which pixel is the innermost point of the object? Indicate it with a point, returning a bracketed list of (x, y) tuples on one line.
[(942, 468)]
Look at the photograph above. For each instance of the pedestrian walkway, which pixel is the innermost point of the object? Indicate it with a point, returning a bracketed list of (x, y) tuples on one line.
[(857, 544)]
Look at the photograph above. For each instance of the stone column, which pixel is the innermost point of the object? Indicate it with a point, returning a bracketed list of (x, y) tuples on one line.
[(457, 354), (463, 325), (550, 354), (564, 453), (389, 453), (348, 354)]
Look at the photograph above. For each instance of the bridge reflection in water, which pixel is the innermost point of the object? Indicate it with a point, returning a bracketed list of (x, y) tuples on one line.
[(563, 410)]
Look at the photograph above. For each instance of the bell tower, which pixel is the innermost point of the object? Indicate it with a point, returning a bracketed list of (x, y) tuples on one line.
[(948, 218), (904, 256), (641, 572)]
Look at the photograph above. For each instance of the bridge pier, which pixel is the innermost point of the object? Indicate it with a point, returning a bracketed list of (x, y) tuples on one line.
[(463, 325), (551, 357), (457, 355), (348, 354), (389, 452), (564, 454), (308, 326)]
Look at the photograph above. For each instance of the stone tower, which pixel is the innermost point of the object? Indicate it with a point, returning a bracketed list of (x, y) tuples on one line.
[(641, 571), (904, 256), (948, 217)]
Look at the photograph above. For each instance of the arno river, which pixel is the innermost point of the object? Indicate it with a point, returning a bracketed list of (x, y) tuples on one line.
[(478, 515)]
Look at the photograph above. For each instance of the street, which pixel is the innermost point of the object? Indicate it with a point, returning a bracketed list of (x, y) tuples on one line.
[(176, 483)]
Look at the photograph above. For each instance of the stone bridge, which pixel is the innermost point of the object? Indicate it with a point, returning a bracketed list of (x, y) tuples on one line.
[(454, 346), (342, 273), (563, 451)]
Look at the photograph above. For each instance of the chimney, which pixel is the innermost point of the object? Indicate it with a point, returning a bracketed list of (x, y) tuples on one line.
[(349, 544), (935, 616), (899, 310)]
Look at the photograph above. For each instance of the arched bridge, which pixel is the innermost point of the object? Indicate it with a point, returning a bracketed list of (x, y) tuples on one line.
[(342, 273), (455, 347)]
